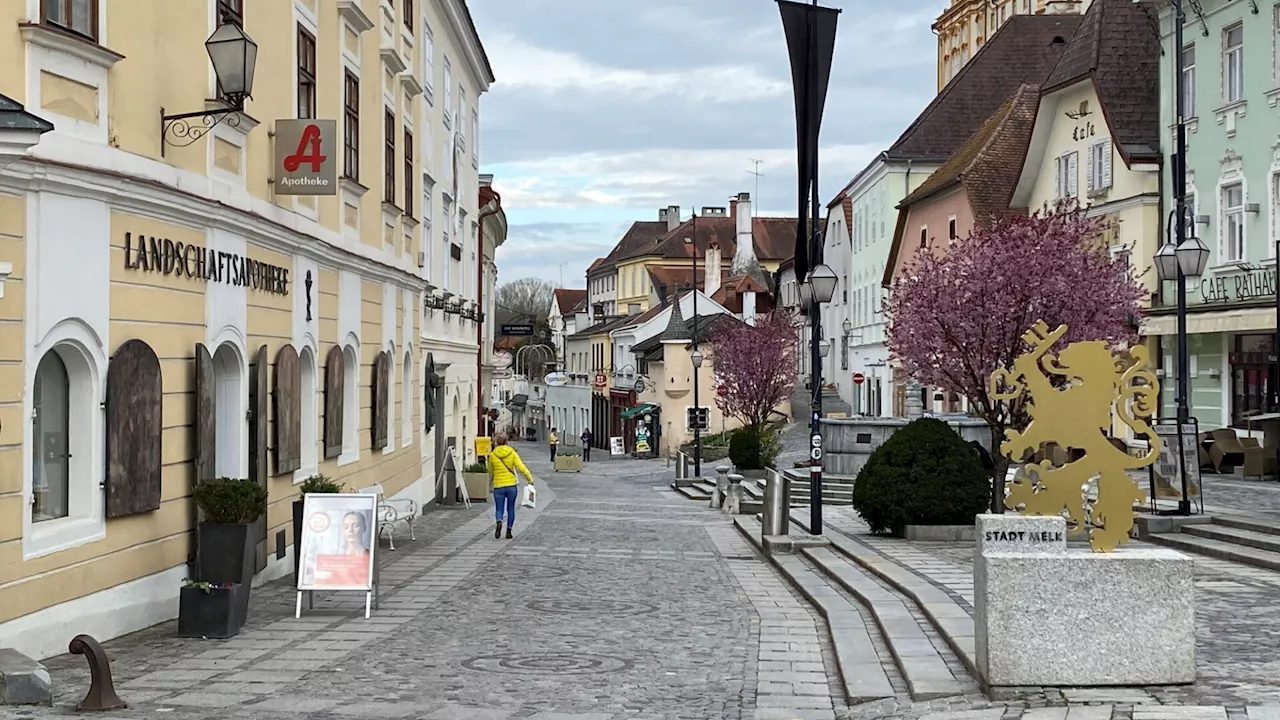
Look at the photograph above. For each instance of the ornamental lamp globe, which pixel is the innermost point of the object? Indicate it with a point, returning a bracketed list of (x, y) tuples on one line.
[(824, 347), (234, 56), (1192, 256), (806, 293), (846, 326), (1167, 262), (696, 356), (822, 280)]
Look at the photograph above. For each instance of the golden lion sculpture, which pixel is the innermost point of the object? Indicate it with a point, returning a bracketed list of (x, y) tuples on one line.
[(1072, 399)]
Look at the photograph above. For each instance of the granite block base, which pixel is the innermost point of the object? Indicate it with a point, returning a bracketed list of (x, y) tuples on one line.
[(1079, 618), (23, 681)]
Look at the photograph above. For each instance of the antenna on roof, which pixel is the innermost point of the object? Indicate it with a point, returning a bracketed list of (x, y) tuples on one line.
[(755, 172)]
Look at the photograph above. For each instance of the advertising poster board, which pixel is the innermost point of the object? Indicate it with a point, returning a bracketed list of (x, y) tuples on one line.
[(1166, 482), (616, 446), (339, 538)]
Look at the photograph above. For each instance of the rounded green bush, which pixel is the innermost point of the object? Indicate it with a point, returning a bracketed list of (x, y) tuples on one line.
[(924, 474), (231, 500), (744, 449)]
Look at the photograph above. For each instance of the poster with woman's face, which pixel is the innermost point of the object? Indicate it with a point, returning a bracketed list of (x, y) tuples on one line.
[(338, 535)]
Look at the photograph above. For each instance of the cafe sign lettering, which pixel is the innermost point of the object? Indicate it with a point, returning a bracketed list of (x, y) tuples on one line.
[(1234, 288), (164, 256)]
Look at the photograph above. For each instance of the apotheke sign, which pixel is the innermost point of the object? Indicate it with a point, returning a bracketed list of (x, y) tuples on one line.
[(162, 255), (304, 157), (1248, 285)]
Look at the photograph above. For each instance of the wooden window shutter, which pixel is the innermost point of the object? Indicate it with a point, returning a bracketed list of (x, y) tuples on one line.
[(135, 392), (381, 391), (334, 385), (205, 417), (288, 406), (258, 374)]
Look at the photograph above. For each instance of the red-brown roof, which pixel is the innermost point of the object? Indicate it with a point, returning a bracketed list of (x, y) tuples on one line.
[(641, 236), (1117, 46), (1022, 51), (774, 238), (730, 293), (987, 167), (670, 279), (567, 299)]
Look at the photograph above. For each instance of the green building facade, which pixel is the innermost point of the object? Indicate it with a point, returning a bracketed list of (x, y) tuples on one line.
[(1231, 52)]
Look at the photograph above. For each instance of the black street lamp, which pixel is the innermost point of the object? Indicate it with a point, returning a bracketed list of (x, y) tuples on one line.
[(818, 288), (1183, 256), (697, 356), (234, 56)]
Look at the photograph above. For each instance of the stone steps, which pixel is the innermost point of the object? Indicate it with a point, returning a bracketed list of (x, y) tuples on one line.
[(1245, 523), (1221, 549), (862, 676), (1239, 536), (696, 491), (852, 564)]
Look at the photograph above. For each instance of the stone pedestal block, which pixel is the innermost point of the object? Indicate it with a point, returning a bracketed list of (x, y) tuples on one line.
[(1051, 616), (23, 681)]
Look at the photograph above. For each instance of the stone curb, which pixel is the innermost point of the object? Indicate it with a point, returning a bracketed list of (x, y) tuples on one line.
[(861, 674)]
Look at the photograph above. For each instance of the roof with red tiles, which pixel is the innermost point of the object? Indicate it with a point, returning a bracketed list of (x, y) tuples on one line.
[(567, 299)]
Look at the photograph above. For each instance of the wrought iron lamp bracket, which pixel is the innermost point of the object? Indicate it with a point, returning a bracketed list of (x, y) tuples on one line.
[(180, 130)]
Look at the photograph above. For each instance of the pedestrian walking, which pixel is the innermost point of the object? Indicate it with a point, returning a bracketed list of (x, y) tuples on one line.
[(587, 437), (553, 441), (504, 463)]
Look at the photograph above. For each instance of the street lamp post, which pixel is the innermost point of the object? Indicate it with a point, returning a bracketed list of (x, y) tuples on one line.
[(696, 356), (817, 289), (1183, 256)]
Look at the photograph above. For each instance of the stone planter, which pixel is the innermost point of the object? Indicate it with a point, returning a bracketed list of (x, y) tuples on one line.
[(477, 485), (568, 463), (218, 613)]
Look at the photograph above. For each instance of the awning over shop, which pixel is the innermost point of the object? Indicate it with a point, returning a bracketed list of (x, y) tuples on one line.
[(1221, 321), (640, 409)]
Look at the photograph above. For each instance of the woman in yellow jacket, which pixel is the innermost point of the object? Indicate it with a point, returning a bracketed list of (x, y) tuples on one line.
[(504, 461)]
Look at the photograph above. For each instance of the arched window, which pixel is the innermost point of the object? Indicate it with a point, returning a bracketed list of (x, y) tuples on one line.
[(351, 404), (50, 459), (310, 413), (390, 419), (406, 400), (229, 420)]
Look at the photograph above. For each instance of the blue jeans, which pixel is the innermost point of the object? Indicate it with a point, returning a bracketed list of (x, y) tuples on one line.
[(505, 498)]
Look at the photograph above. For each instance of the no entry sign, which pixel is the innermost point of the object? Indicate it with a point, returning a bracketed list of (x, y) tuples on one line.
[(858, 378)]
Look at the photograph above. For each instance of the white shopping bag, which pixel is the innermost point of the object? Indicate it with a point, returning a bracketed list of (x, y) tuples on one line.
[(530, 497)]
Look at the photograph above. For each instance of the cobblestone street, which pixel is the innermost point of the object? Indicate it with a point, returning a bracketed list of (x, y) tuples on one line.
[(616, 599)]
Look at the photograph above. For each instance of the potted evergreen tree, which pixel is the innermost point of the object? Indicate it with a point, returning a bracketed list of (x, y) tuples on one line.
[(229, 507), (318, 484)]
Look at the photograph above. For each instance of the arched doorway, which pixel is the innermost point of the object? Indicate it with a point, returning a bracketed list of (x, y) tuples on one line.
[(229, 412)]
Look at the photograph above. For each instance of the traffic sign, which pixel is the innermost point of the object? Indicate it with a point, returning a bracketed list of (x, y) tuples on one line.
[(859, 378)]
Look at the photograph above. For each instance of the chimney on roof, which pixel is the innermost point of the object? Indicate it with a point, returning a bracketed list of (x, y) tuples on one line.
[(744, 257), (1062, 7), (749, 307), (708, 211), (673, 217), (714, 267), (486, 179)]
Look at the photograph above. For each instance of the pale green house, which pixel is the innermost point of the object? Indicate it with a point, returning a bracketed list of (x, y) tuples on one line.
[(1233, 162)]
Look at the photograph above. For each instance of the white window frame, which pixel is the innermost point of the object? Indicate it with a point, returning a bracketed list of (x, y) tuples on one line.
[(350, 404), (1067, 175), (428, 61), (1189, 80), (406, 401), (1100, 166), (475, 137), (86, 372), (1232, 61), (1226, 242), (390, 420), (310, 392), (448, 94), (1274, 210)]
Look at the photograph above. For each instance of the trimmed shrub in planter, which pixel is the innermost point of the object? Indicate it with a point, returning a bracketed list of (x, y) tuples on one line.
[(476, 478), (751, 449), (315, 484), (229, 507), (206, 610), (924, 474)]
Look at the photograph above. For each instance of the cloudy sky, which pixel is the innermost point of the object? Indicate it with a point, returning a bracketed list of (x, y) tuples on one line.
[(605, 111)]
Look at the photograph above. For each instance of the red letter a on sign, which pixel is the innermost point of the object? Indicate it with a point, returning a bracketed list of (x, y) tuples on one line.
[(311, 135)]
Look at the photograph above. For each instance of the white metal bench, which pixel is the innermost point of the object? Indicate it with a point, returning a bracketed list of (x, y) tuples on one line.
[(391, 512)]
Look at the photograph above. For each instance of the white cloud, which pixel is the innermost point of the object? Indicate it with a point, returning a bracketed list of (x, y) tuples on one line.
[(524, 65), (652, 177)]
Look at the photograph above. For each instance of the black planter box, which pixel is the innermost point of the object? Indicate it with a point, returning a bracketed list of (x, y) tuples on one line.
[(297, 538), (218, 613), (226, 553)]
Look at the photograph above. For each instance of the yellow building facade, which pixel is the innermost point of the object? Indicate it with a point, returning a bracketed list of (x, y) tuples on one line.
[(154, 273), (966, 25)]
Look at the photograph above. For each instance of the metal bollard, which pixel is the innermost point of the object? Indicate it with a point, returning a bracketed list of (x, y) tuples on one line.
[(733, 496), (722, 483), (777, 508), (102, 692)]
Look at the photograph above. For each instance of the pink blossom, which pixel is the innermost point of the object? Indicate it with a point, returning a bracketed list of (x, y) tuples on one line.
[(756, 365)]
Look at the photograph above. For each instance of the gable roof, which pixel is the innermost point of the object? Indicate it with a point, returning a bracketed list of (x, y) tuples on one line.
[(987, 167), (568, 299), (1116, 46), (1023, 51), (635, 240), (774, 238)]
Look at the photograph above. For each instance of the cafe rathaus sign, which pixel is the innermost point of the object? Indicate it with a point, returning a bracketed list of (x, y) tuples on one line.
[(164, 256), (1250, 284)]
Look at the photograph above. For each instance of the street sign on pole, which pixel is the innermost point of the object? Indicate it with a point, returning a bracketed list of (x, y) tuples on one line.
[(858, 378), (517, 330)]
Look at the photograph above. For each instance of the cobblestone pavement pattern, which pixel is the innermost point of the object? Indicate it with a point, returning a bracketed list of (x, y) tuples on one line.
[(617, 599)]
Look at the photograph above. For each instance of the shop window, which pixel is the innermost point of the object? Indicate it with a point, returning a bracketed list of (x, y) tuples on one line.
[(229, 413), (1253, 377), (350, 404), (310, 414), (78, 16), (1189, 80), (406, 401), (50, 413)]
